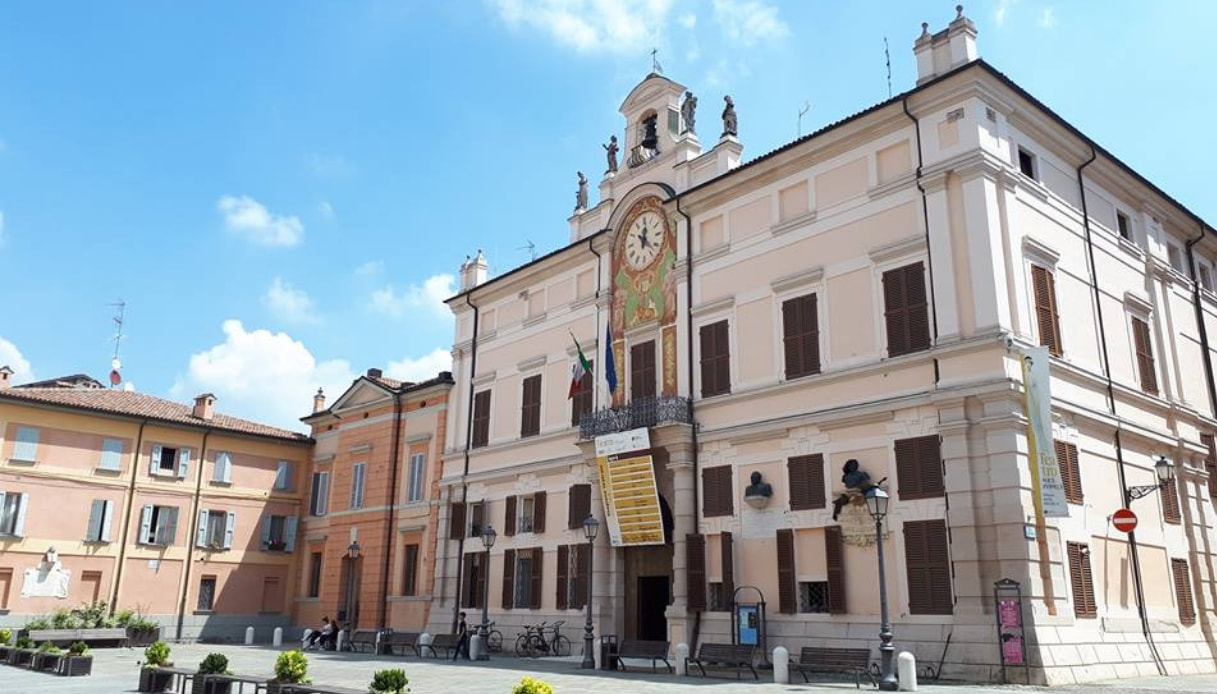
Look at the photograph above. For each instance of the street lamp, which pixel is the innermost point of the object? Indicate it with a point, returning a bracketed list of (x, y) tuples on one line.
[(488, 537), (353, 554), (876, 503), (591, 526), (1165, 472)]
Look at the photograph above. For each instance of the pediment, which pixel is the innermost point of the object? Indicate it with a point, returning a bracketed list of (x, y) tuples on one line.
[(362, 392)]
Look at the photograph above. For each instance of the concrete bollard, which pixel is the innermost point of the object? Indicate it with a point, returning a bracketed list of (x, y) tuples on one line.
[(277, 639), (424, 640), (341, 641), (906, 670), (596, 654), (781, 665), (682, 659), (475, 648), (249, 636)]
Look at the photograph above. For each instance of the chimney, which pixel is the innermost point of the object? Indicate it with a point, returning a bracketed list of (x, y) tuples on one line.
[(473, 272), (319, 401), (375, 373), (6, 378), (939, 53), (204, 407)]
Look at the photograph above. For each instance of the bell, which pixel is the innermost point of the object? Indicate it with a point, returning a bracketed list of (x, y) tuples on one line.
[(650, 136)]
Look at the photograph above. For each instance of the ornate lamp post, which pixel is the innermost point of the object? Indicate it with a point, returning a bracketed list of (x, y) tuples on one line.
[(591, 527), (488, 536), (1165, 472), (353, 554), (876, 503)]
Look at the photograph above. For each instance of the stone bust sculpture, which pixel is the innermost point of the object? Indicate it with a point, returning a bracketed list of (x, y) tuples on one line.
[(758, 488)]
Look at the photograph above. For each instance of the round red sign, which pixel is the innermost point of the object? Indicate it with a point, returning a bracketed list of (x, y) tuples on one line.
[(1124, 520)]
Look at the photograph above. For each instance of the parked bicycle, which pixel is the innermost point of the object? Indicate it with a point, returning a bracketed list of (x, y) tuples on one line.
[(494, 638), (542, 640)]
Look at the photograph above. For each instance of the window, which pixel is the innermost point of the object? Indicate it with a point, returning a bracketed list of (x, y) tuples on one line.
[(1071, 477), (1124, 226), (456, 520), (26, 447), (834, 562), (223, 468), (417, 472), (207, 593), (580, 506), (806, 478), (813, 597), (319, 501), (1204, 275), (100, 515), (1183, 592), (279, 533), (283, 475), (584, 398), (715, 600), (786, 572), (1210, 463), (216, 529), (358, 479), (1170, 502), (1175, 255), (13, 506), (527, 515), (1046, 317), (919, 468), (314, 575), (1027, 164), (715, 359), (572, 576), (695, 563), (642, 370), (111, 455), (169, 462), (1145, 356), (158, 525), (409, 577), (928, 563), (481, 419), (530, 406), (524, 514), (906, 311), (1079, 577), (6, 584), (716, 491), (474, 578), (477, 518), (801, 336), (528, 573)]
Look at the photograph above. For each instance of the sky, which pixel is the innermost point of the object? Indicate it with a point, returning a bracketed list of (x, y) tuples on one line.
[(282, 192)]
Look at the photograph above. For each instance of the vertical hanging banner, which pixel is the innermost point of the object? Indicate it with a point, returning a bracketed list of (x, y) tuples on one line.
[(628, 489), (1047, 487)]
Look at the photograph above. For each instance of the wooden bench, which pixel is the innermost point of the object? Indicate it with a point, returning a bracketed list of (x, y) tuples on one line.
[(363, 638), (725, 656), (445, 642), (318, 689), (855, 661), (405, 640), (654, 651), (89, 636)]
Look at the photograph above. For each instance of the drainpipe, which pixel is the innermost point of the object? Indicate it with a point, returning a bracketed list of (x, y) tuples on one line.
[(925, 215), (390, 539), (689, 364), (1204, 333), (122, 536), (460, 550), (1133, 554), (190, 537)]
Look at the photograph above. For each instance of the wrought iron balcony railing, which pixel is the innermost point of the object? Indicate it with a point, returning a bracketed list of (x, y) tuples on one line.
[(645, 412)]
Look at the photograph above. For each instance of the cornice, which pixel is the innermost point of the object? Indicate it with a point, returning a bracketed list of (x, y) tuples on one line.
[(900, 249)]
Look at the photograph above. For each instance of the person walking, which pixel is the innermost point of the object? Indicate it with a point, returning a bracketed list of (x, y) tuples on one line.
[(462, 639)]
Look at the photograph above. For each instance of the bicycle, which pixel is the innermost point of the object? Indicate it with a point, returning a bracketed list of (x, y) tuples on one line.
[(529, 643), (559, 645), (494, 638)]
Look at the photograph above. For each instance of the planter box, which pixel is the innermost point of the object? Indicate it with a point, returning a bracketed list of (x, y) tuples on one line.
[(46, 662), (198, 686), (143, 638), (76, 665), (4, 653), (22, 657), (153, 680)]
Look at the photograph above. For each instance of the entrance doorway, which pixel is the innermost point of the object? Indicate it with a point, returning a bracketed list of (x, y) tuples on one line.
[(652, 602)]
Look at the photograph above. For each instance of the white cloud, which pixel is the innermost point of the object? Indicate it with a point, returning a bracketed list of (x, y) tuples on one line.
[(11, 357), (250, 220), (421, 369), (264, 376), (1048, 18), (288, 303), (429, 297), (1003, 8), (326, 210), (371, 268), (623, 27), (749, 21)]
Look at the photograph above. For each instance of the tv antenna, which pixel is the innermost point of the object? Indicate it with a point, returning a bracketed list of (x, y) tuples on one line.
[(531, 248), (802, 111), (115, 363), (887, 56)]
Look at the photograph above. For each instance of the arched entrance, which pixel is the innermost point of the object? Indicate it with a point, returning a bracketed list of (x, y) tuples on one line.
[(648, 584)]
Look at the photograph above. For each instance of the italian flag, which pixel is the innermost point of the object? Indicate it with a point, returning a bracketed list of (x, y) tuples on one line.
[(577, 370)]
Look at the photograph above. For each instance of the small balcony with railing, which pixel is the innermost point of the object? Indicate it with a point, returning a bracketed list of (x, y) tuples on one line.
[(642, 412)]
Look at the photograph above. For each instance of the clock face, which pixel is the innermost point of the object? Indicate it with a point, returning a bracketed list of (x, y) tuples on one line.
[(643, 239)]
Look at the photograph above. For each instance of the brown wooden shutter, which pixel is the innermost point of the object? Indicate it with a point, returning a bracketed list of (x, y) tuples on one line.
[(715, 359), (583, 562), (788, 595), (469, 583), (726, 547), (906, 310), (801, 336), (1044, 287), (483, 574), (716, 491), (918, 308), (834, 560), (695, 571), (806, 476), (563, 562), (580, 505), (1183, 592), (537, 574), (928, 563), (1067, 461), (919, 468), (642, 370), (1210, 463), (509, 574), (584, 399), (530, 408), (1080, 578), (481, 419), (1170, 502), (1145, 356), (456, 521), (509, 516), (538, 512)]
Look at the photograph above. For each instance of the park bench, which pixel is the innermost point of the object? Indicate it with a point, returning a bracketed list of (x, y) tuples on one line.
[(445, 642), (654, 651), (405, 640), (855, 661), (725, 656), (364, 638), (318, 689), (92, 637)]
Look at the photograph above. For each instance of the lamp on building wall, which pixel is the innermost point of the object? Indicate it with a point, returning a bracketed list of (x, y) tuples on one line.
[(1165, 472), (876, 503), (488, 537), (591, 527), (353, 550)]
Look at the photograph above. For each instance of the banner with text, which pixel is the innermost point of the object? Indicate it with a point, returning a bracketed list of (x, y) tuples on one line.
[(1048, 489), (631, 500)]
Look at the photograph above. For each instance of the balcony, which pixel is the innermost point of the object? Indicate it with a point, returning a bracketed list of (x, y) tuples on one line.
[(646, 412)]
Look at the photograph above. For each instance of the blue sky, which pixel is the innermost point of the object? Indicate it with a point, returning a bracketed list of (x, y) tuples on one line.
[(283, 191)]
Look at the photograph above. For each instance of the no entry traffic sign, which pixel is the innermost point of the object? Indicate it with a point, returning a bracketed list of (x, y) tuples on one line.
[(1124, 520)]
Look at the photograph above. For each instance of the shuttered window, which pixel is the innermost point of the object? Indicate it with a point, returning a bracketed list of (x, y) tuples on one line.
[(1210, 464), (509, 573), (1183, 592), (715, 360), (474, 579), (1043, 286), (695, 559), (1080, 578), (727, 550), (509, 516), (1170, 502), (905, 310), (481, 419), (801, 336), (583, 563), (788, 596), (477, 518), (584, 399), (642, 370), (563, 588), (834, 561), (806, 478), (1067, 461), (580, 506), (456, 521), (928, 563), (716, 491), (530, 408), (538, 512), (919, 468), (409, 574), (1145, 356), (537, 574)]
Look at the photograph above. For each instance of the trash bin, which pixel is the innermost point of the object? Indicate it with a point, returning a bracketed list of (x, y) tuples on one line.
[(608, 652)]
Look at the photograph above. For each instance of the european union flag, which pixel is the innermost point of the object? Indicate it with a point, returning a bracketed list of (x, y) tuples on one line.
[(610, 365)]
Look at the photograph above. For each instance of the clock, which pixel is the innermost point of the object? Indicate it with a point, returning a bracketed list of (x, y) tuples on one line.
[(643, 239)]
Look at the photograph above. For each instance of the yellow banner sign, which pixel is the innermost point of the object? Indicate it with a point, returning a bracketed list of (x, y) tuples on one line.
[(631, 500)]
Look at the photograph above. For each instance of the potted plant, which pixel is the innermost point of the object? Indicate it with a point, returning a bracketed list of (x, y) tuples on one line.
[(213, 664), (151, 679), (6, 637), (291, 667), (276, 546), (47, 658), (392, 681), (23, 654), (529, 685), (140, 631), (78, 661)]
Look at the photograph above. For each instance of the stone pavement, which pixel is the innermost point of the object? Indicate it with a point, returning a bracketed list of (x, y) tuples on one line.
[(114, 671)]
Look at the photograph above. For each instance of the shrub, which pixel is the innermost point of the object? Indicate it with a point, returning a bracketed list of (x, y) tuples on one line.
[(48, 647), (156, 655), (530, 686), (78, 648), (5, 636), (38, 624), (140, 625), (291, 668), (214, 664), (391, 681), (24, 642), (122, 618)]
